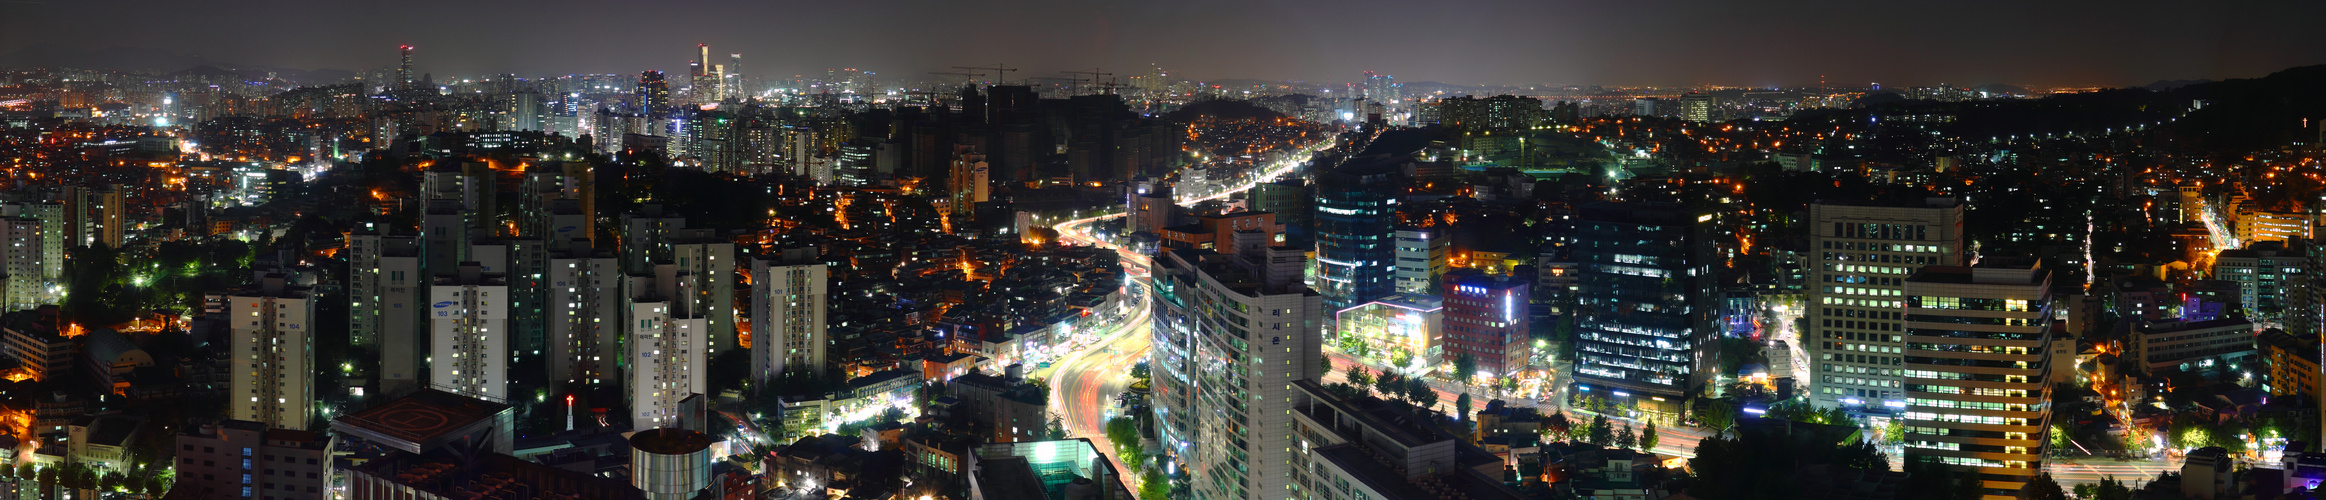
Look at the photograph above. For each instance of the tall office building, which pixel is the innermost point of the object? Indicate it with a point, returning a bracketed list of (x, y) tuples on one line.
[(706, 77), (1645, 329), (271, 353), (384, 308), (1977, 361), (666, 340), (653, 96), (1356, 217), (1697, 107), (737, 89), (1422, 256), (1233, 332), (2273, 281), (22, 263), (1294, 206), (468, 318), (1864, 252), (585, 315), (789, 301), (1486, 320)]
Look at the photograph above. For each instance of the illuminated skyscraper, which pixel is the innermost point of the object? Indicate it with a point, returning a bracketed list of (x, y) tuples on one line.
[(272, 352), (1855, 323), (1233, 332), (789, 302), (468, 318), (653, 94), (1697, 107), (404, 71), (666, 345), (1977, 361), (1356, 218), (1645, 330)]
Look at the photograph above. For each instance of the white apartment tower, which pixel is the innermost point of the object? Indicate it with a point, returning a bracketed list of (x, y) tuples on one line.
[(666, 343), (788, 306), (271, 353), (584, 315), (468, 318), (1233, 332), (23, 262), (384, 295)]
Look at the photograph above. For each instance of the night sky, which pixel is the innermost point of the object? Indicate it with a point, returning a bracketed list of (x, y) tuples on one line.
[(1790, 42)]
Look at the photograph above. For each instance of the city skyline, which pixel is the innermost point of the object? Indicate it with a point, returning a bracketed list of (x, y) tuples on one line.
[(1673, 44)]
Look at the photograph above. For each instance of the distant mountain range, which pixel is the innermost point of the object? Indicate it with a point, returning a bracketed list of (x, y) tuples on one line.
[(119, 58)]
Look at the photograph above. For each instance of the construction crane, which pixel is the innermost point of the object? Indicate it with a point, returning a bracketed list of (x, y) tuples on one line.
[(1094, 74), (1071, 83), (1000, 72), (966, 78)]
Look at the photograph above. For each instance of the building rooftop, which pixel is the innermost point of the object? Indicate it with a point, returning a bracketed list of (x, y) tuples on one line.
[(419, 421), (670, 441)]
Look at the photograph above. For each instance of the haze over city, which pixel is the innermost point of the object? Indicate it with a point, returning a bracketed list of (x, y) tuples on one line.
[(1126, 250), (1469, 42)]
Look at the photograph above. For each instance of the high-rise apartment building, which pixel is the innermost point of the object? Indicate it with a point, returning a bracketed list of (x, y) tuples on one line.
[(468, 317), (646, 237), (271, 353), (1645, 328), (1978, 391), (95, 215), (584, 315), (22, 263), (666, 341), (1233, 332), (1356, 218), (1422, 256), (789, 302), (1856, 326), (1486, 321), (711, 260), (385, 286), (54, 236)]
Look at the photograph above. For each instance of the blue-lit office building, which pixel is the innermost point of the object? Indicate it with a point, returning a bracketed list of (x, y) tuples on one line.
[(1646, 331), (1356, 226)]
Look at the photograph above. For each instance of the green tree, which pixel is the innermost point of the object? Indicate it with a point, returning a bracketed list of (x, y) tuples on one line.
[(2085, 490), (1716, 415), (2111, 489), (1649, 437), (2044, 488), (1400, 357), (2059, 434), (1359, 377), (1465, 367), (1624, 438), (1602, 433), (1388, 385), (157, 485), (1153, 486), (26, 471), (1462, 407), (109, 480)]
